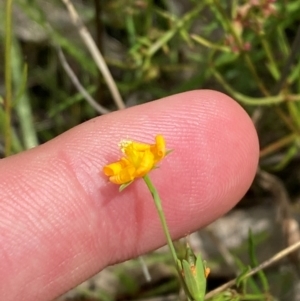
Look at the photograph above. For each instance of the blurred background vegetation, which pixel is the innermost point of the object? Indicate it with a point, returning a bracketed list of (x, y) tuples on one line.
[(154, 48)]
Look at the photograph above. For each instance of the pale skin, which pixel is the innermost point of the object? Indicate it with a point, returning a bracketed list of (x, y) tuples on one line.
[(61, 221)]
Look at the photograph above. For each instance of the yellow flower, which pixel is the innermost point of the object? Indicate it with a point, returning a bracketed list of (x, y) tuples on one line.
[(139, 159)]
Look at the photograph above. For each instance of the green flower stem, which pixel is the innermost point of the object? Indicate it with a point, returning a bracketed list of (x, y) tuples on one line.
[(162, 217), (8, 77)]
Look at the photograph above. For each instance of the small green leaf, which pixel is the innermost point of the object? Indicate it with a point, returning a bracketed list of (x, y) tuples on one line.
[(254, 262), (190, 280), (179, 264), (169, 151), (194, 275), (22, 86), (241, 276), (123, 186)]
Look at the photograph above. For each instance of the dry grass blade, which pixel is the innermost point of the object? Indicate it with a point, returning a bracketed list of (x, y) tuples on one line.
[(77, 84), (96, 54), (262, 266)]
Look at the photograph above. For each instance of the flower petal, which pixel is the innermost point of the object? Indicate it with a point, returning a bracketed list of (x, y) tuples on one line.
[(124, 176), (146, 164), (159, 148), (116, 167)]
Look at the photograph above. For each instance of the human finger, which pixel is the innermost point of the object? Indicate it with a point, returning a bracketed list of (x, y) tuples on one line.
[(61, 221)]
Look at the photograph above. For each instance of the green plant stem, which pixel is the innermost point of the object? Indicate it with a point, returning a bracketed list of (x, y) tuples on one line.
[(162, 217), (239, 43), (252, 69), (21, 100), (289, 63), (269, 54), (247, 99), (254, 262), (8, 78), (276, 146), (180, 23)]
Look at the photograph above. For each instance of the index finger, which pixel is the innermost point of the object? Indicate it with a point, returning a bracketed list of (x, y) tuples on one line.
[(61, 221)]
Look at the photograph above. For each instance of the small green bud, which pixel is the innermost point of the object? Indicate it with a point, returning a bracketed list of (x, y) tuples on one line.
[(194, 275)]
